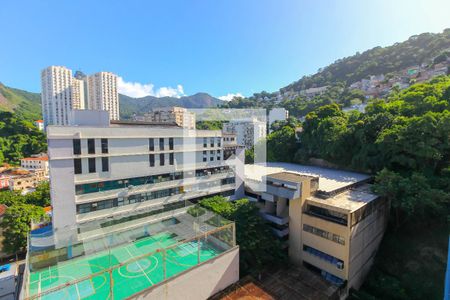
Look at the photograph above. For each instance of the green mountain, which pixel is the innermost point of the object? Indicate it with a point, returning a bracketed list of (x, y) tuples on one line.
[(29, 104), (425, 48), (19, 101), (129, 105)]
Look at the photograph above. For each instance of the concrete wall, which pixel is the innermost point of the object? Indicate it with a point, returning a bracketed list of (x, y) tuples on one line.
[(200, 282)]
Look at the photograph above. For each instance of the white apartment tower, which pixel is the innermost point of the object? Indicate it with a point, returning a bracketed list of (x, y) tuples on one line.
[(248, 132), (103, 94), (78, 93), (57, 95), (62, 93)]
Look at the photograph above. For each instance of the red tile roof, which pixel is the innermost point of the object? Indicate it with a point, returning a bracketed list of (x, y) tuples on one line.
[(3, 208), (39, 121)]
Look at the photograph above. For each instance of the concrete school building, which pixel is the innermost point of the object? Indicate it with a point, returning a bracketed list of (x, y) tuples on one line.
[(122, 195), (330, 220)]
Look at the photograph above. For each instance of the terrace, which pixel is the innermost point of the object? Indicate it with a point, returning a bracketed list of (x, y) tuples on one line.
[(118, 265)]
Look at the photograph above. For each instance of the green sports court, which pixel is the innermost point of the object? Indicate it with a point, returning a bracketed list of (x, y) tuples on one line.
[(123, 270)]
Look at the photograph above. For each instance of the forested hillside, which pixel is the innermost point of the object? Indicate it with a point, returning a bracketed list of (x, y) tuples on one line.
[(130, 106), (418, 49), (19, 138), (22, 102)]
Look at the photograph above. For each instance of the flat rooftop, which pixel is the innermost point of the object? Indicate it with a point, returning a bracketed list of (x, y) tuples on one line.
[(288, 176), (136, 258), (329, 179), (350, 200)]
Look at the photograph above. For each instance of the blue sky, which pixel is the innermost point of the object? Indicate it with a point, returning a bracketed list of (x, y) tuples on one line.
[(216, 46)]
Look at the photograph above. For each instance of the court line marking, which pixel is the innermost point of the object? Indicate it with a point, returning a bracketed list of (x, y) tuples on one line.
[(131, 255)]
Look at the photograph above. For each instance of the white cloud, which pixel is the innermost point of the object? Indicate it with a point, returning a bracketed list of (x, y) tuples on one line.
[(137, 90), (230, 96)]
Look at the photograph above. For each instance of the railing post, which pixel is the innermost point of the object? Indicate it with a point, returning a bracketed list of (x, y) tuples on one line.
[(198, 249), (164, 263), (111, 284)]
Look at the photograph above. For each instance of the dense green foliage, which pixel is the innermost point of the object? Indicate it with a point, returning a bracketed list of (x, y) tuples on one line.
[(21, 210), (16, 226), (405, 141), (257, 246), (209, 125), (19, 138), (418, 49)]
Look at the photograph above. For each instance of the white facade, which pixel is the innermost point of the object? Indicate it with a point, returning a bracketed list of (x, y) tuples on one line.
[(171, 115), (119, 169), (35, 163), (39, 124), (56, 97), (277, 114), (78, 93), (103, 94), (62, 93), (248, 132)]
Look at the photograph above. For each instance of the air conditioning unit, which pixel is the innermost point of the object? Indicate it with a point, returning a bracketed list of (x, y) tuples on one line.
[(340, 265)]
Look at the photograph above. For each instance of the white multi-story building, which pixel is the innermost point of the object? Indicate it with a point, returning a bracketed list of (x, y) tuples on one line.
[(248, 132), (78, 93), (171, 115), (115, 170), (124, 200), (103, 94), (35, 163), (62, 93), (56, 96), (277, 114)]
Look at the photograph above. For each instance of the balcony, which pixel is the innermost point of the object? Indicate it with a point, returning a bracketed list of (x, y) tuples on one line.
[(275, 219), (280, 232), (282, 192)]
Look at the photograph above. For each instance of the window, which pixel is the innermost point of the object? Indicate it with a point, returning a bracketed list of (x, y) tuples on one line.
[(171, 159), (151, 158), (91, 165), (205, 158), (76, 146), (161, 143), (161, 159), (218, 155), (105, 164), (151, 144), (219, 141), (211, 141), (104, 143), (205, 142), (211, 158), (91, 146), (170, 143), (77, 166)]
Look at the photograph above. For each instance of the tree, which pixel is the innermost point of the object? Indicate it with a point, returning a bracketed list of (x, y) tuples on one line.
[(258, 247), (281, 144), (16, 225), (41, 196)]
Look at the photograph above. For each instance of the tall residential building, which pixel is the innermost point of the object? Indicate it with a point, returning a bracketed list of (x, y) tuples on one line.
[(103, 94), (125, 224), (330, 220), (248, 132), (62, 93), (171, 115), (56, 96), (78, 93)]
